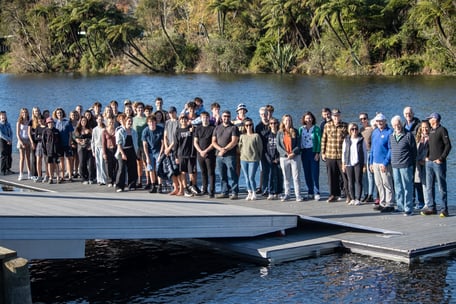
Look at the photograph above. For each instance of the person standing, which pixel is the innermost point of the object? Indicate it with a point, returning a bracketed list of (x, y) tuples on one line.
[(326, 117), (412, 124), (109, 150), (6, 144), (290, 159), (368, 177), (168, 141), (310, 135), (33, 124), (225, 140), (139, 124), (354, 158), (380, 164), (152, 143), (83, 136), (422, 146), (403, 158), (334, 133), (206, 154), (251, 147), (51, 148), (127, 145), (23, 143), (436, 165), (97, 150), (185, 157), (274, 180), (262, 129), (66, 134)]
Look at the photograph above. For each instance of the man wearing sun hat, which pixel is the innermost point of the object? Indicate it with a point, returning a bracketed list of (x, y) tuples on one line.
[(436, 165), (380, 164)]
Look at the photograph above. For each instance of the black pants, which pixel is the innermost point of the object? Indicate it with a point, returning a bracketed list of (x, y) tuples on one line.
[(355, 181), (111, 165), (335, 173), (5, 152), (86, 164), (127, 167), (207, 166)]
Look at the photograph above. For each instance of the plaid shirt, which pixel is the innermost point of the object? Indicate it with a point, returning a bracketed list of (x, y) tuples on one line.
[(332, 139)]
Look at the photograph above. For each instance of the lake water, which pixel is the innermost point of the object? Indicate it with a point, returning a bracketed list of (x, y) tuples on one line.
[(181, 272)]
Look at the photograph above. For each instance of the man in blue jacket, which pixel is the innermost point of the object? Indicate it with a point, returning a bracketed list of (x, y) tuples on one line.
[(380, 164)]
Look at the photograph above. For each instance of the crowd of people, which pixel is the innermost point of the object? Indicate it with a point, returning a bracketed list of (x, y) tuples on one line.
[(396, 167)]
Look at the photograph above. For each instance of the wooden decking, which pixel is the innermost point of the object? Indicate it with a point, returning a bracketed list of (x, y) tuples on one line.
[(247, 227)]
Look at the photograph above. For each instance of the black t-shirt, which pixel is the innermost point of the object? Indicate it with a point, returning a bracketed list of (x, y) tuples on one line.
[(204, 135), (184, 143)]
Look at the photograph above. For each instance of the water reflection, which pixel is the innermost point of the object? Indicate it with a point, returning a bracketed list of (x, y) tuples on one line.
[(181, 272)]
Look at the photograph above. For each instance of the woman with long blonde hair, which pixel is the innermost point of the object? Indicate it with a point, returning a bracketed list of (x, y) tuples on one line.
[(23, 142), (290, 159)]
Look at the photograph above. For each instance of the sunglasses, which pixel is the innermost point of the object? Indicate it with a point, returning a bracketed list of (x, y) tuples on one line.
[(354, 129), (248, 125), (362, 118)]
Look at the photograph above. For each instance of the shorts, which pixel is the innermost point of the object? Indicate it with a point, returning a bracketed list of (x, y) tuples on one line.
[(140, 155), (66, 151), (153, 162), (52, 159), (39, 151), (187, 165), (27, 144)]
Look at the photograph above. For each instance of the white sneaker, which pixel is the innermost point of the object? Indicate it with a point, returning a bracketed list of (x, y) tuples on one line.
[(352, 203), (357, 203), (20, 177), (285, 197), (317, 197), (253, 197), (270, 197), (249, 196)]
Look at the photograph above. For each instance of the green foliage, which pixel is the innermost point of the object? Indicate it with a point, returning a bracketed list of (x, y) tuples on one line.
[(403, 66), (224, 56), (5, 61), (310, 36), (282, 57)]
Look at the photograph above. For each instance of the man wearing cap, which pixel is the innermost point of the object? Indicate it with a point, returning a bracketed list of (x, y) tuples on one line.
[(380, 164), (332, 139), (225, 140), (436, 165)]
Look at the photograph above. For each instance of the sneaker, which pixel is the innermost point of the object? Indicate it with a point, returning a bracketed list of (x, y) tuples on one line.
[(357, 203), (45, 179), (20, 177), (188, 192), (352, 202), (253, 196), (444, 214), (299, 199), (428, 211), (85, 182), (377, 207), (234, 196), (331, 199), (387, 209), (119, 190), (317, 197), (222, 195), (270, 197), (194, 189), (249, 196), (109, 185), (284, 198), (408, 213), (50, 182), (153, 189)]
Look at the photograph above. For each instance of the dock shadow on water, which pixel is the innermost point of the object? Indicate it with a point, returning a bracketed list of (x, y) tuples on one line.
[(179, 271)]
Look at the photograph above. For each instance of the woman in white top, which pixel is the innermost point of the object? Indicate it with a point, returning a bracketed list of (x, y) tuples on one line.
[(23, 142), (97, 150), (354, 158)]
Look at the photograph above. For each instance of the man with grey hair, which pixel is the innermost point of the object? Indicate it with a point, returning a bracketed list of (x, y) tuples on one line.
[(403, 158), (412, 124), (380, 164)]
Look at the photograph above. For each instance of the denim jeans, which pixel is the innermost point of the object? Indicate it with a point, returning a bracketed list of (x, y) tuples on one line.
[(311, 169), (403, 188), (227, 169), (368, 181), (436, 173), (265, 173), (249, 169)]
